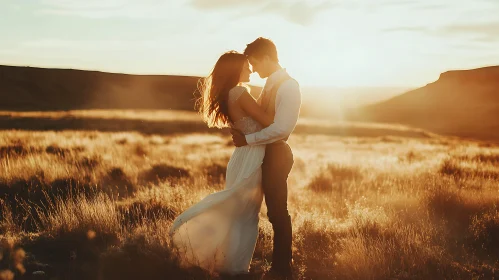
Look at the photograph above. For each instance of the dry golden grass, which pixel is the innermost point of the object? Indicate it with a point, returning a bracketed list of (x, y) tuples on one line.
[(98, 205)]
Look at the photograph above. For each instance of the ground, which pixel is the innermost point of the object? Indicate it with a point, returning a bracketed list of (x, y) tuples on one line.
[(92, 195)]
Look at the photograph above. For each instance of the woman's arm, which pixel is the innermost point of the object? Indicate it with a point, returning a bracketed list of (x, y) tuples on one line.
[(249, 105)]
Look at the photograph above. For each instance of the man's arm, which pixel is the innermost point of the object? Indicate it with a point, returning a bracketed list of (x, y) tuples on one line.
[(255, 111), (288, 101)]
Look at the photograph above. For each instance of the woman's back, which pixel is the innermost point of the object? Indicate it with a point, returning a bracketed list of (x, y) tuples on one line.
[(241, 120)]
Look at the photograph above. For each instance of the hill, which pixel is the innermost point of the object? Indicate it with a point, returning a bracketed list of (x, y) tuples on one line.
[(463, 103), (35, 89)]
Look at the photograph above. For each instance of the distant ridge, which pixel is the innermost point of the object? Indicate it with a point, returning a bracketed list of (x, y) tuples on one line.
[(464, 103), (31, 88)]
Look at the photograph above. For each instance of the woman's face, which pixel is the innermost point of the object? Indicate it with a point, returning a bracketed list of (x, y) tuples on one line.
[(245, 73)]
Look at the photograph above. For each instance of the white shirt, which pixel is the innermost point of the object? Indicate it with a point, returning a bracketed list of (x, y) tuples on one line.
[(287, 110)]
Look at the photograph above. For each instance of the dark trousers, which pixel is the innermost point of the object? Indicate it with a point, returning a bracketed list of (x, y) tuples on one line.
[(275, 170)]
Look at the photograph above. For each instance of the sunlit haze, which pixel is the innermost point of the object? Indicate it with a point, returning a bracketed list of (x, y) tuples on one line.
[(321, 43)]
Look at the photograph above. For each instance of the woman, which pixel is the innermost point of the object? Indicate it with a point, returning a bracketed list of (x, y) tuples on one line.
[(219, 233)]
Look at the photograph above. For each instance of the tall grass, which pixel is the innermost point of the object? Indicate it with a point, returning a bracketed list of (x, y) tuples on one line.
[(98, 205)]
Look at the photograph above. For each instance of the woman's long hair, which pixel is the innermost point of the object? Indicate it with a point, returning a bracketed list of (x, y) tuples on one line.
[(214, 89)]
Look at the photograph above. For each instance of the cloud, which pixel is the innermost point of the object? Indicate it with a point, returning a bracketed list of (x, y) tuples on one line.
[(106, 8), (299, 12), (421, 29), (386, 3), (491, 2), (222, 4), (84, 5), (400, 4), (479, 32), (485, 31), (93, 45)]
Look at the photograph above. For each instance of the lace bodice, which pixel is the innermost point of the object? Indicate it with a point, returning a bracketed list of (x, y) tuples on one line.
[(245, 124)]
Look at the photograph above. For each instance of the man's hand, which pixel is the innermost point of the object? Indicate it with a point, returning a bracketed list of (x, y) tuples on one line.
[(238, 138)]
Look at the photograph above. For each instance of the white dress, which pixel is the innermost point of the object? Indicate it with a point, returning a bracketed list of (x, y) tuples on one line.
[(219, 233)]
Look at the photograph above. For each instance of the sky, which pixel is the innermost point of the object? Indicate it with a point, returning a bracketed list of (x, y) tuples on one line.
[(341, 43)]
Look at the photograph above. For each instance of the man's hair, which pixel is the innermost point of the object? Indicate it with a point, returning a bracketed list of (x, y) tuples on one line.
[(260, 48)]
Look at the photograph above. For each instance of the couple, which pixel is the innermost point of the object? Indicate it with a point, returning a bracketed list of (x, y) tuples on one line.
[(219, 233)]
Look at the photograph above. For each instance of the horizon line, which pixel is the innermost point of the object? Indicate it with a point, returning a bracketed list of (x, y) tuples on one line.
[(200, 77)]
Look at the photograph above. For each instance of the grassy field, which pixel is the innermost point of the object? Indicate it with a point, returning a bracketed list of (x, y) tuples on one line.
[(94, 198)]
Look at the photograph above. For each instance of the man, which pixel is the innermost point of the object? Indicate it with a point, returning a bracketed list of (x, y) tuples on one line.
[(281, 96)]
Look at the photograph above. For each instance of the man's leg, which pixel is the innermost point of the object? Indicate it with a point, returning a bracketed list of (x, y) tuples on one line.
[(276, 167)]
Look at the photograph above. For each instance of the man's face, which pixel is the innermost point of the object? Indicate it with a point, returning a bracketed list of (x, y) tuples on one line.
[(258, 66)]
